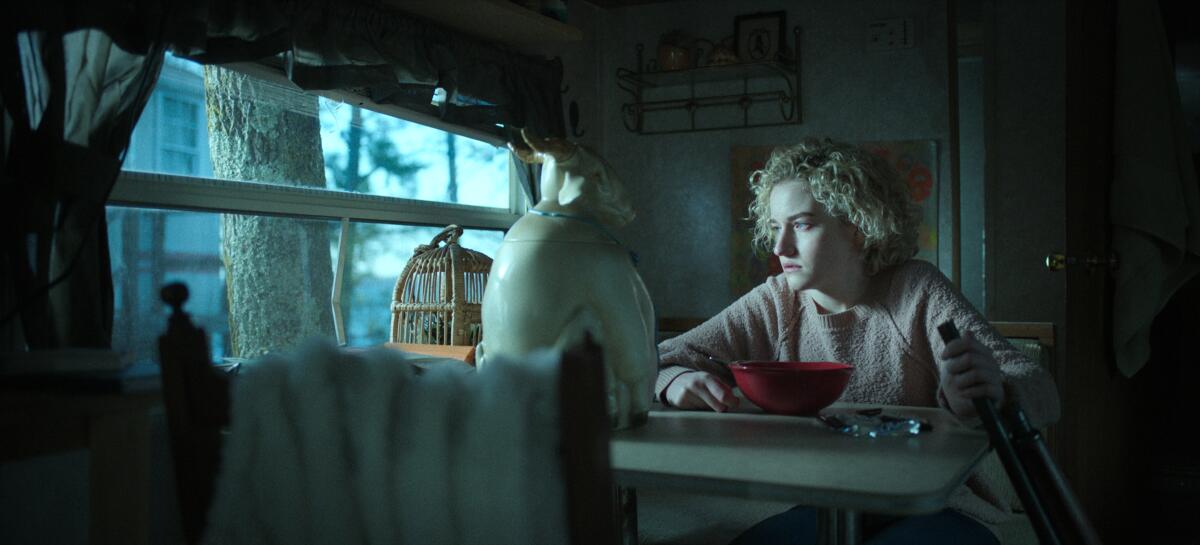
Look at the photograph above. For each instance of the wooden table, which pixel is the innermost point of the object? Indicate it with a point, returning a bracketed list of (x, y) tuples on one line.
[(797, 459), (116, 430)]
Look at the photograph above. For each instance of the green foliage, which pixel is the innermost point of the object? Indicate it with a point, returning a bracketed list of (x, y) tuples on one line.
[(369, 149)]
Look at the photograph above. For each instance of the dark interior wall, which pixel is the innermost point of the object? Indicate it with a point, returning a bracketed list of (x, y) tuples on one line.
[(972, 178), (582, 62), (1026, 144), (680, 183)]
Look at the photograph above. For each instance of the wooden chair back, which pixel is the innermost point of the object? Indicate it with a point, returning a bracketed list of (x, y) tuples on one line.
[(671, 326), (197, 399)]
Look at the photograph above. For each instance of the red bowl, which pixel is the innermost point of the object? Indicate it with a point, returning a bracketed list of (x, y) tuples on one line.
[(792, 387)]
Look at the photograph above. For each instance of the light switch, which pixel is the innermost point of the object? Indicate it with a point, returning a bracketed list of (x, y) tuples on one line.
[(885, 34)]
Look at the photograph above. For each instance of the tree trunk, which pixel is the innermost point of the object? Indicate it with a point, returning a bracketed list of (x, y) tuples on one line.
[(278, 270)]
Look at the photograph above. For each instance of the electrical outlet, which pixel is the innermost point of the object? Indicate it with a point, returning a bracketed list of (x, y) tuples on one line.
[(887, 34)]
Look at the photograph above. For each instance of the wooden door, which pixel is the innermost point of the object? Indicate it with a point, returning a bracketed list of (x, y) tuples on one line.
[(1096, 440)]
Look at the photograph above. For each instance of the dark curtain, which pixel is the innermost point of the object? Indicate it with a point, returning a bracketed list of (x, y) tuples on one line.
[(77, 76), (69, 112), (389, 57)]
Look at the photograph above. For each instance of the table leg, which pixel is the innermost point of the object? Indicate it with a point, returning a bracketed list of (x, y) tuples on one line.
[(851, 527), (838, 526), (628, 515)]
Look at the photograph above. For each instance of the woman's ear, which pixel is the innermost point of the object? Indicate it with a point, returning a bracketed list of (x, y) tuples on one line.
[(859, 238)]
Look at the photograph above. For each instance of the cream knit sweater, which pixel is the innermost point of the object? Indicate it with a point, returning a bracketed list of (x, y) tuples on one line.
[(891, 339)]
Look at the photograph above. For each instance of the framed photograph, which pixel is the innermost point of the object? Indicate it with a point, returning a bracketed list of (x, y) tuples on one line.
[(759, 36)]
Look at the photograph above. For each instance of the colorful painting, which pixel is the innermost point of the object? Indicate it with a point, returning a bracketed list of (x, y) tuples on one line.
[(914, 160), (749, 268)]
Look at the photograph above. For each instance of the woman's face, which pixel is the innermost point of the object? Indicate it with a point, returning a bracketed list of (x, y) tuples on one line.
[(815, 249)]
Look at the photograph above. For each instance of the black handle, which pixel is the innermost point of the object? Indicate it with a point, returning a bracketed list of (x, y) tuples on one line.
[(1008, 456)]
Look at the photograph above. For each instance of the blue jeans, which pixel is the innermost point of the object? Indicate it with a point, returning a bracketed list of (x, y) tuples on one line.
[(798, 526)]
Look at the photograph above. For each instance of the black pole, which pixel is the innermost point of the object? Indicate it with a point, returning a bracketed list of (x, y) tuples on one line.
[(1008, 456), (1031, 448)]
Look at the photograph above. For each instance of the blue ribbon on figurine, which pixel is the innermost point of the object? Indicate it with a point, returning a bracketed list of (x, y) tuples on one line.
[(632, 254)]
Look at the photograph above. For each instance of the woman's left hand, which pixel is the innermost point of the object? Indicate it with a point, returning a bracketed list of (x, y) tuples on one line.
[(969, 371)]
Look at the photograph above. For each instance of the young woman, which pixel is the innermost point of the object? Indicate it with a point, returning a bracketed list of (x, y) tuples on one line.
[(845, 231)]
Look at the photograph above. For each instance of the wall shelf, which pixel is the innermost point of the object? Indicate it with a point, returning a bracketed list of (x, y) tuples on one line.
[(774, 97), (725, 72)]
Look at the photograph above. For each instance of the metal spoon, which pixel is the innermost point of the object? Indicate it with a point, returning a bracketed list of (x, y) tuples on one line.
[(711, 357)]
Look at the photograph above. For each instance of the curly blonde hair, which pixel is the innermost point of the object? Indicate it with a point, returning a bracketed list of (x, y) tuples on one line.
[(854, 185)]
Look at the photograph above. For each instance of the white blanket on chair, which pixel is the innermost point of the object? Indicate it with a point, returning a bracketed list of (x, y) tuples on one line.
[(328, 446)]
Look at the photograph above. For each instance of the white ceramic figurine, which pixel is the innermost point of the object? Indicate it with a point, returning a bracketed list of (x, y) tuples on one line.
[(561, 272)]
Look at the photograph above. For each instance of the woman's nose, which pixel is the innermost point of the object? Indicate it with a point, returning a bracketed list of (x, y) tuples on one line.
[(783, 244)]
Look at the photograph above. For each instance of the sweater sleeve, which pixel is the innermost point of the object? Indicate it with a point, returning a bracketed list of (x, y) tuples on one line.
[(934, 300), (748, 329)]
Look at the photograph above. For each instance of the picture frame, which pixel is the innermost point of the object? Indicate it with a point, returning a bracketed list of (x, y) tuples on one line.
[(759, 37)]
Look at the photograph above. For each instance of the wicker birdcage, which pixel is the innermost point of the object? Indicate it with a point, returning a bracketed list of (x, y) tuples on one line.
[(439, 295)]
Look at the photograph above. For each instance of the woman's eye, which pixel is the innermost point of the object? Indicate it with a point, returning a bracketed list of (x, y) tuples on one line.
[(801, 226)]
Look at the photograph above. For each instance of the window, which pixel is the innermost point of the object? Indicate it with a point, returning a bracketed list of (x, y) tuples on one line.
[(369, 279), (171, 137), (398, 158), (179, 145), (242, 189)]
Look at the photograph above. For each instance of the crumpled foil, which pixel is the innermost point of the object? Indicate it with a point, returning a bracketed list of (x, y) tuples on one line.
[(873, 423)]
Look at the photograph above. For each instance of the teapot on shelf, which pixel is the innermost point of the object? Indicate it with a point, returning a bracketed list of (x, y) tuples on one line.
[(675, 51), (709, 53)]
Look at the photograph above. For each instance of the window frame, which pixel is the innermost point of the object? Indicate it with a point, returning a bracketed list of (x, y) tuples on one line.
[(201, 193), (152, 190), (176, 192)]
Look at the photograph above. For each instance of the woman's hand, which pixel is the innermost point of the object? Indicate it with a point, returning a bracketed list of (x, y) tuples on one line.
[(700, 390), (969, 371)]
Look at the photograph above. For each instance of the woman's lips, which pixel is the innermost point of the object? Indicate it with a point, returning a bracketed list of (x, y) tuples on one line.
[(790, 268)]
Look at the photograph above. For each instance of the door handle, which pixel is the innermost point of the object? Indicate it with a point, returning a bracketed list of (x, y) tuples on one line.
[(1059, 261)]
